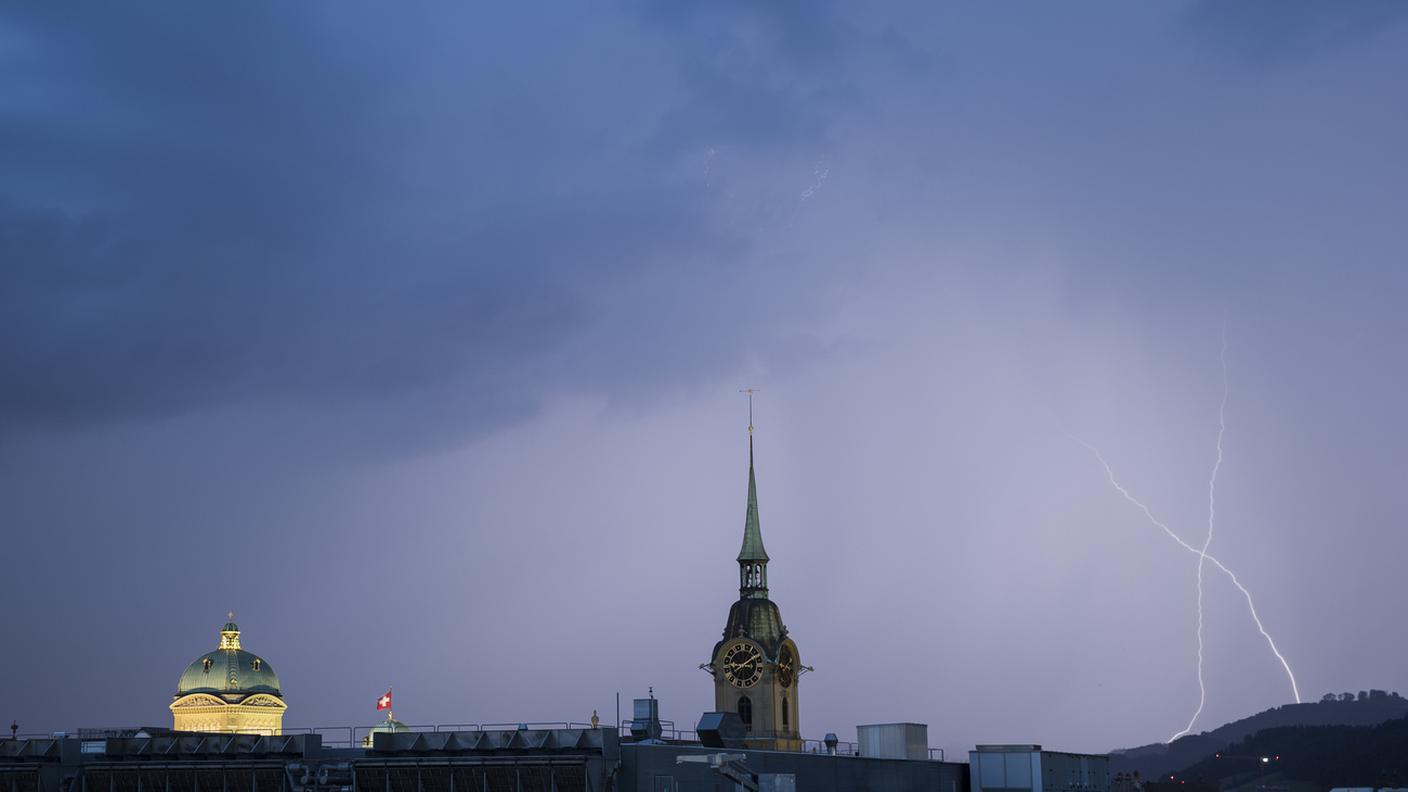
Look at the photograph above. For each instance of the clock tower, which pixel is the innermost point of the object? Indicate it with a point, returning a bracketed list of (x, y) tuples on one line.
[(755, 665)]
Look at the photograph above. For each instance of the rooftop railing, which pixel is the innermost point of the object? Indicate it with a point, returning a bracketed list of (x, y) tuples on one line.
[(356, 736)]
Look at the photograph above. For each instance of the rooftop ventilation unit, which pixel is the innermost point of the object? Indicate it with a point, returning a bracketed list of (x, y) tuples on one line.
[(646, 723)]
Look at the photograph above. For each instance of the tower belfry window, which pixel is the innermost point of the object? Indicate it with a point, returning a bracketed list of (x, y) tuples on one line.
[(745, 712)]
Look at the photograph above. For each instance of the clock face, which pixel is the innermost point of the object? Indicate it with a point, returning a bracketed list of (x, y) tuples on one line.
[(743, 664), (786, 666)]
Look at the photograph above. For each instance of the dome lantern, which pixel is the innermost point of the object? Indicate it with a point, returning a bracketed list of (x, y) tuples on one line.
[(230, 633)]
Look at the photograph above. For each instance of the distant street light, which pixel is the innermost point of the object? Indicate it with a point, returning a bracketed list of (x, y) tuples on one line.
[(1262, 759)]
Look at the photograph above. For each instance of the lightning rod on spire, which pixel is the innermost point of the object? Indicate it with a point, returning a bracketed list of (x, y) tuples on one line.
[(750, 392)]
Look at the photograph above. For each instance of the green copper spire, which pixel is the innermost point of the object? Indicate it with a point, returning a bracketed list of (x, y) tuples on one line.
[(752, 533), (752, 558)]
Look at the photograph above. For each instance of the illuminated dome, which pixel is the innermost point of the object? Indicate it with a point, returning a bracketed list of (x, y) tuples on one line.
[(229, 673), (229, 690)]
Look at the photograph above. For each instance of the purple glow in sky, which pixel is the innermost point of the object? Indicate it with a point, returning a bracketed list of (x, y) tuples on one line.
[(414, 337)]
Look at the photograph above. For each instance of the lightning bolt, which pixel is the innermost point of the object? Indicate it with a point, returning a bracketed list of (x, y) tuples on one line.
[(1203, 554)]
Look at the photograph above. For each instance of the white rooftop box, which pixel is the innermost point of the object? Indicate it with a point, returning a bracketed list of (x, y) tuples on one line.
[(894, 740)]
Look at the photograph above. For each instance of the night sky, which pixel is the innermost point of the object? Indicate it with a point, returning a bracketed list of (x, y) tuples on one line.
[(414, 336)]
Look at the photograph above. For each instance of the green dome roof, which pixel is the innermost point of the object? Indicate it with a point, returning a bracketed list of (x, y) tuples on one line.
[(229, 671), (388, 726)]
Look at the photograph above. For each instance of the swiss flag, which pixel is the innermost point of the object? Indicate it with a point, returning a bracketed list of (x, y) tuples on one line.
[(384, 702)]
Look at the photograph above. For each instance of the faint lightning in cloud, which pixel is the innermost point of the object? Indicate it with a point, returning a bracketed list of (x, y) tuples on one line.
[(1203, 555), (709, 155), (1251, 606), (821, 171)]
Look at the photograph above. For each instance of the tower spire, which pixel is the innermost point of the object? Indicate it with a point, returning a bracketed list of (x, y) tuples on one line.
[(752, 558)]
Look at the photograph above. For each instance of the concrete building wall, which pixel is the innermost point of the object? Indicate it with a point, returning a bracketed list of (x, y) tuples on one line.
[(1000, 771), (1066, 772)]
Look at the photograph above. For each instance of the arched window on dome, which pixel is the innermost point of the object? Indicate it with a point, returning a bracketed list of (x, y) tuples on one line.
[(745, 712), (206, 664), (255, 663)]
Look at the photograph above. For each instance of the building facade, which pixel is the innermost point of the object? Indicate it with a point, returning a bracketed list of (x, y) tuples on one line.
[(229, 690), (1027, 768), (756, 665), (514, 760)]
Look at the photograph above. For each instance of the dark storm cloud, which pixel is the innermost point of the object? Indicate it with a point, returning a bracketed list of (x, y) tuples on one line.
[(212, 208), (194, 323), (769, 75), (1278, 31), (756, 74)]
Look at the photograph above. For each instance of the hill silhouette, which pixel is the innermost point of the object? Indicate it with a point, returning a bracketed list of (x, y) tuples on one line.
[(1369, 708), (1310, 757)]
